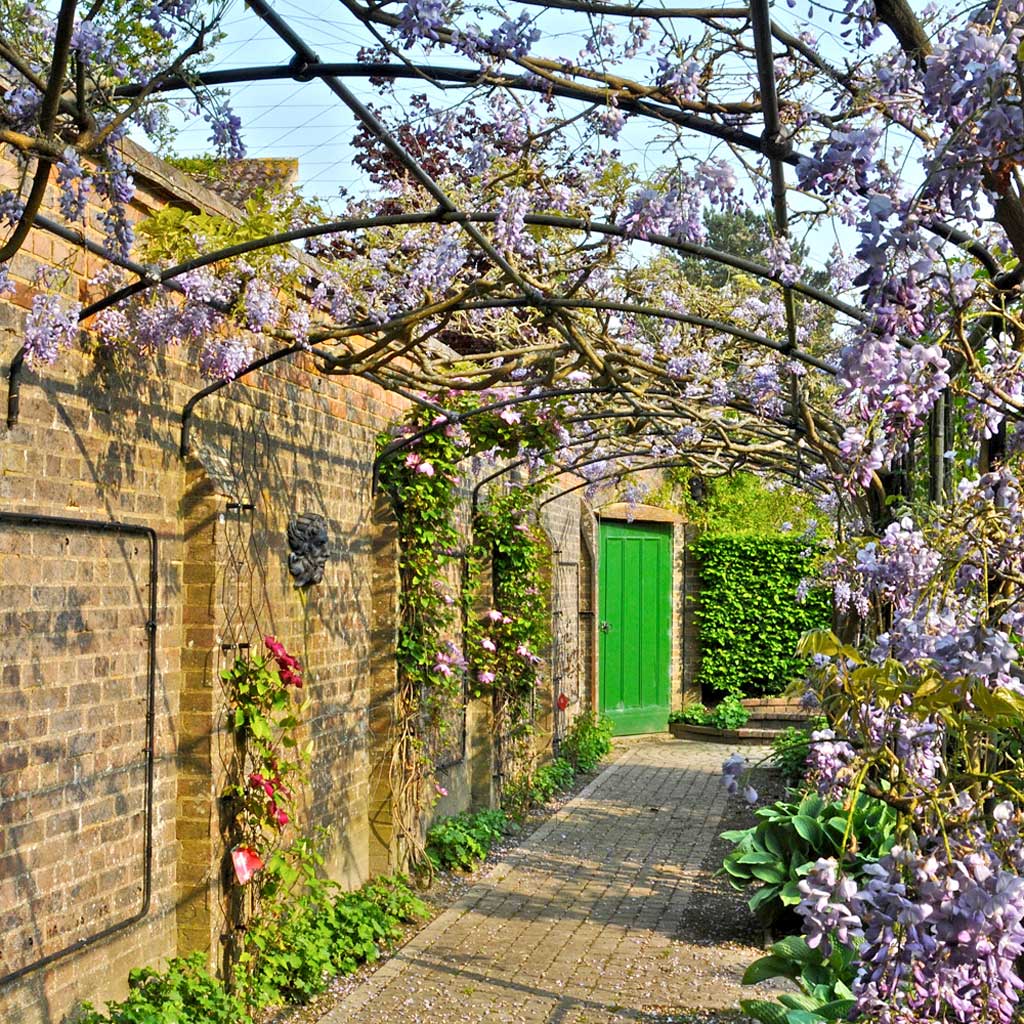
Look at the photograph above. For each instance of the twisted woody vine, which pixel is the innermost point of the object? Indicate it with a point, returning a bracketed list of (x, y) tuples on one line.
[(519, 262)]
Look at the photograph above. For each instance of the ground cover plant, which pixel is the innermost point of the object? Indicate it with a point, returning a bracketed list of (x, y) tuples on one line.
[(587, 741), (462, 841), (822, 976), (184, 993), (319, 932)]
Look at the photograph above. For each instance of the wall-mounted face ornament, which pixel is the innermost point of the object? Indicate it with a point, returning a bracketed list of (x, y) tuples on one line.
[(307, 537)]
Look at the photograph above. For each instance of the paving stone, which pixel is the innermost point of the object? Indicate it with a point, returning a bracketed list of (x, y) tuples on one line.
[(579, 923)]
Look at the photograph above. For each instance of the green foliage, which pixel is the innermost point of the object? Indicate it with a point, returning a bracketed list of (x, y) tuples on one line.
[(423, 482), (517, 795), (517, 551), (781, 848), (550, 779), (265, 720), (693, 714), (319, 932), (749, 620), (790, 749), (463, 841), (587, 741), (740, 504), (824, 983), (184, 993), (729, 713)]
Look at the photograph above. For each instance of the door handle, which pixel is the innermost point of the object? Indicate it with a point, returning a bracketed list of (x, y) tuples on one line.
[(605, 627)]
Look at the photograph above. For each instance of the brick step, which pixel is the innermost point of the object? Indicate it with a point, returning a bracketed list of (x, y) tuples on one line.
[(776, 724)]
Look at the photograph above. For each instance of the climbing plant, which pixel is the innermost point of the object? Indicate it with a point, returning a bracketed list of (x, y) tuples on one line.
[(424, 478), (506, 643), (270, 766)]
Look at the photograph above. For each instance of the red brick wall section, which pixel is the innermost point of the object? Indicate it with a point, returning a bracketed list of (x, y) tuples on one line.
[(72, 689)]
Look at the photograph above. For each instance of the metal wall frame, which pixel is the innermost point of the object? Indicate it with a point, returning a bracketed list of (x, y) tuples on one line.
[(129, 530)]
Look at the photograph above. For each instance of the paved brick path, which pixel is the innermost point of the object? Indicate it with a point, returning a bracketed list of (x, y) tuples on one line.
[(579, 924)]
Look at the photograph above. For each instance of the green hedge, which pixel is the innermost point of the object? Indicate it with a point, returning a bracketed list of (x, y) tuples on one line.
[(749, 619)]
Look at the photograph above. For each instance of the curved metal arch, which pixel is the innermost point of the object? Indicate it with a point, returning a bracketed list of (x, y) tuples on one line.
[(150, 278), (580, 441), (630, 471), (154, 278), (659, 313), (185, 445), (467, 77), (622, 454), (511, 467), (764, 144), (454, 418), (451, 418)]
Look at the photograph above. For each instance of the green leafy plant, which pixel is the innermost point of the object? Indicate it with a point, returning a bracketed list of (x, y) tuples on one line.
[(464, 840), (516, 795), (184, 993), (824, 983), (319, 932), (749, 619), (550, 779), (587, 741), (727, 714), (781, 848), (790, 749), (693, 714)]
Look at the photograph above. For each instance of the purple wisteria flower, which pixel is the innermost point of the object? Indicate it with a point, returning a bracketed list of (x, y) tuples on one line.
[(50, 326)]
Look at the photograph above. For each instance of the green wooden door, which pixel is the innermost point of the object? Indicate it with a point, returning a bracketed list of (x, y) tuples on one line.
[(635, 625)]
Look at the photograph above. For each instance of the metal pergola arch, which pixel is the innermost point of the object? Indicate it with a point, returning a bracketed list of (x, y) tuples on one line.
[(306, 66)]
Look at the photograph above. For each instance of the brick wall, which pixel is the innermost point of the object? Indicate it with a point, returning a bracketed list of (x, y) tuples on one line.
[(98, 439)]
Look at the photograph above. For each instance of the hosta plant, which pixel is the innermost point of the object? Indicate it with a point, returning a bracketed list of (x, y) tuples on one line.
[(824, 983), (782, 848)]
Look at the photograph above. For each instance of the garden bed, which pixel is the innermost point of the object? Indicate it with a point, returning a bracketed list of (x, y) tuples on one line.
[(753, 736)]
